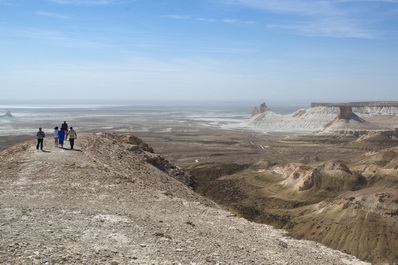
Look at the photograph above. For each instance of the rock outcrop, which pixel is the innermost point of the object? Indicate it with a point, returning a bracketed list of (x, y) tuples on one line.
[(263, 108), (331, 177), (379, 136), (346, 120), (345, 113), (7, 115)]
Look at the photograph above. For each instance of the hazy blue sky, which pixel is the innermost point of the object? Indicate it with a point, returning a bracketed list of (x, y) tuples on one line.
[(199, 49)]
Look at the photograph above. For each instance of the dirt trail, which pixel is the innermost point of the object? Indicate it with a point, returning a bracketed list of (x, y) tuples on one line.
[(104, 204)]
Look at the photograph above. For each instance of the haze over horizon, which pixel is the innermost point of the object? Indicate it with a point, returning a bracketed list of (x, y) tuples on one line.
[(230, 50)]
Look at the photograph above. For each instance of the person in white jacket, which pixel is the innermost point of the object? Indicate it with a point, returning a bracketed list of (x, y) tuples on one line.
[(72, 136), (56, 136)]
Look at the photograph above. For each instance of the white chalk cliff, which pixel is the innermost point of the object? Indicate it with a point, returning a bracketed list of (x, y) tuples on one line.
[(328, 117)]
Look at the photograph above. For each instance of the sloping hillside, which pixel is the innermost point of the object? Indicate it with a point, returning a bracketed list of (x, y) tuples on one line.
[(113, 201)]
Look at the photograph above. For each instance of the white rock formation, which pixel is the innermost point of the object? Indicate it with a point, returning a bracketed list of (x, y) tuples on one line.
[(348, 117)]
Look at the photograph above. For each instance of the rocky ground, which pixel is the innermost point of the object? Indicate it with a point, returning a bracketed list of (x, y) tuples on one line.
[(109, 202)]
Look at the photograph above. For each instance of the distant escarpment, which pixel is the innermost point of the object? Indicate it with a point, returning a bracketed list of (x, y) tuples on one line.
[(373, 104), (354, 118)]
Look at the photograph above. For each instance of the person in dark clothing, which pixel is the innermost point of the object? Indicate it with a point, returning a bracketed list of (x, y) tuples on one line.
[(64, 127), (40, 139)]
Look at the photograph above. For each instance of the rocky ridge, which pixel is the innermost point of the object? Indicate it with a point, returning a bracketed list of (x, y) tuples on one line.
[(114, 201)]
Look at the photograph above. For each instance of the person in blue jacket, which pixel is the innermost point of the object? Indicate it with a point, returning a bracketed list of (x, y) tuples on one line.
[(61, 138)]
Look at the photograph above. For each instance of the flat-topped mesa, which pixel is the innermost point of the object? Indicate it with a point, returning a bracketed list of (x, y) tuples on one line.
[(357, 104), (263, 108), (365, 109)]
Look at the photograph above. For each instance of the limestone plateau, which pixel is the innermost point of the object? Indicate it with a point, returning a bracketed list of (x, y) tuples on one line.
[(353, 117), (377, 104)]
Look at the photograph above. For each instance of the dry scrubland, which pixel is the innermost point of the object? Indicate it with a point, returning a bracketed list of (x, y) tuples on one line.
[(114, 201)]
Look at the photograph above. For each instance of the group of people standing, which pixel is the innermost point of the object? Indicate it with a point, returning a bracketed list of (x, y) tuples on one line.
[(59, 136)]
